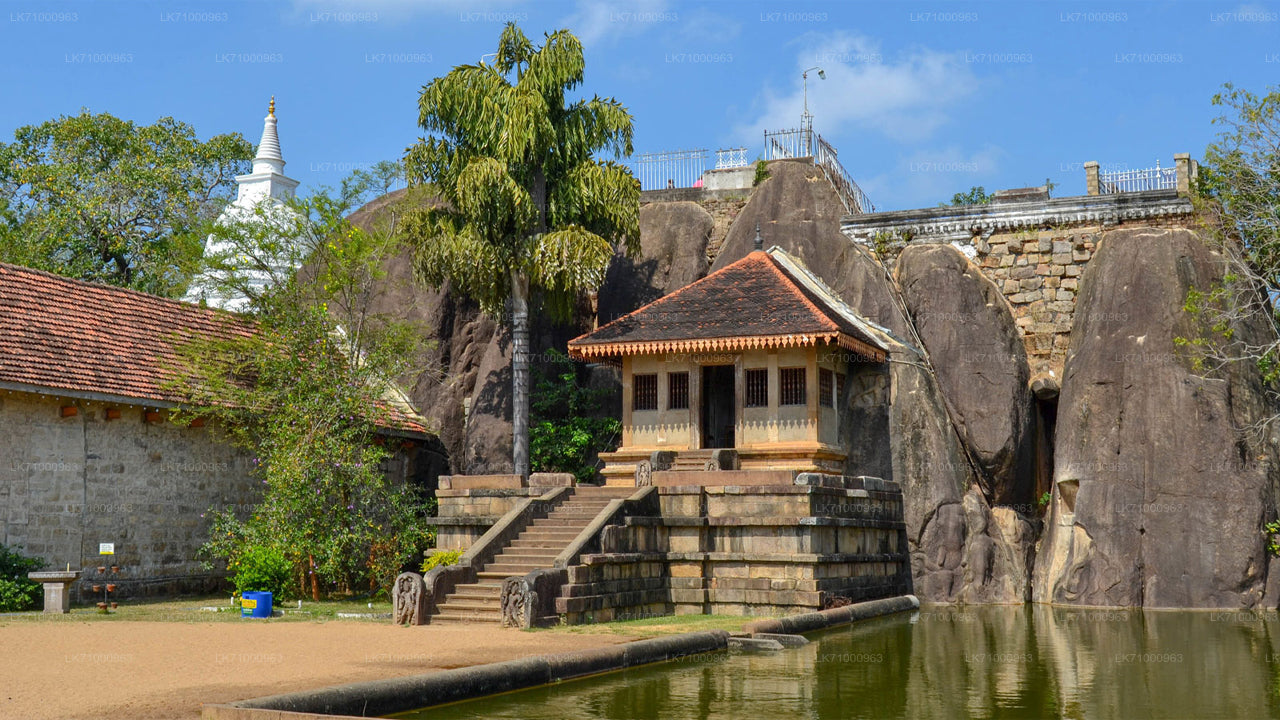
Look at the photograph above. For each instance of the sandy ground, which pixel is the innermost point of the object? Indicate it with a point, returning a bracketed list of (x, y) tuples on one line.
[(167, 669)]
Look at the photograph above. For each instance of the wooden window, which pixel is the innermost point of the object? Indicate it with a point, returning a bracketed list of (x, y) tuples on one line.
[(793, 390), (644, 390), (826, 388), (758, 388), (678, 391)]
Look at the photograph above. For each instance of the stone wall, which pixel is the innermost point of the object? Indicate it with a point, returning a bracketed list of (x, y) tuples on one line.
[(1035, 251), (746, 550), (463, 515), (68, 483)]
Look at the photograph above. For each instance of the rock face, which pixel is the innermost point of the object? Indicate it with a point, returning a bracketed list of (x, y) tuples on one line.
[(895, 418), (799, 211), (673, 253), (966, 327), (1158, 497)]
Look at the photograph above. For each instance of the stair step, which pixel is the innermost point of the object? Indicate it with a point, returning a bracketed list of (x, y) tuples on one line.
[(561, 522), (535, 544), (553, 530), (460, 605), (509, 569), (475, 592), (501, 575), (520, 555), (467, 617)]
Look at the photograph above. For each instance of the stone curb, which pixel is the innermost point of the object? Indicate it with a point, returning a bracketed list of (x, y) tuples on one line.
[(808, 622), (384, 697)]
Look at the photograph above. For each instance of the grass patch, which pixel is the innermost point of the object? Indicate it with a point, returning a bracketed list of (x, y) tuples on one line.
[(656, 626), (190, 610)]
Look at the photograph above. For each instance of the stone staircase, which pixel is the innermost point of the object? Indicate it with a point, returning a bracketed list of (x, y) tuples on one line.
[(533, 549), (691, 460)]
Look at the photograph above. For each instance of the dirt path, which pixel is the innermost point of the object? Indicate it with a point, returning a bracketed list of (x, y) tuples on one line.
[(167, 669)]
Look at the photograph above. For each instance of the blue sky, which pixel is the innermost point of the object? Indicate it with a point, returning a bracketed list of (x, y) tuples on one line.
[(921, 99)]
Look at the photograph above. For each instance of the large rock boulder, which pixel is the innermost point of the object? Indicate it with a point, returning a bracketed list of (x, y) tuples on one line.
[(673, 253), (966, 327), (799, 211), (961, 550), (1159, 495)]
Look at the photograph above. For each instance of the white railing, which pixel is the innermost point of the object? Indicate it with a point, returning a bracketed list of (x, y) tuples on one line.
[(855, 201), (684, 168), (671, 169), (731, 158), (1156, 178), (783, 144)]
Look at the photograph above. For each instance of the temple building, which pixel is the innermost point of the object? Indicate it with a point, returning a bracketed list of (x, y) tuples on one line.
[(742, 370), (262, 195)]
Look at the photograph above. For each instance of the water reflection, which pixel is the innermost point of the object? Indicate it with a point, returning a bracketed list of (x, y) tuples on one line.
[(945, 662)]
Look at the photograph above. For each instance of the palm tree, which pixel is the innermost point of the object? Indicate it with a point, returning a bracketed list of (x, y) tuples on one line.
[(524, 204)]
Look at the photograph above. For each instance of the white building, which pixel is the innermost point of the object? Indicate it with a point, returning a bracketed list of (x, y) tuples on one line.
[(263, 192)]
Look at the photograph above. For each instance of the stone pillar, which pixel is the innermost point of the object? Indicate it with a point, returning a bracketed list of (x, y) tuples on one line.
[(1184, 165), (1092, 187)]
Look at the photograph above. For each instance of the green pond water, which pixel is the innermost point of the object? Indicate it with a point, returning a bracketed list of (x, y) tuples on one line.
[(944, 662)]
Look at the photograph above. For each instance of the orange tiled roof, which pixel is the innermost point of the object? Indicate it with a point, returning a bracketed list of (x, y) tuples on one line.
[(752, 303), (89, 340)]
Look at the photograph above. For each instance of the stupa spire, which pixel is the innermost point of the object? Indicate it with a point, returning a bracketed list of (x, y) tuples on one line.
[(268, 158)]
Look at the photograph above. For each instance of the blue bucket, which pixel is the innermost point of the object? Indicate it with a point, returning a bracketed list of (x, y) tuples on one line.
[(255, 604)]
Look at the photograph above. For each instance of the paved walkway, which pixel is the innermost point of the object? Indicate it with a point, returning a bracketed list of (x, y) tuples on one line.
[(167, 669)]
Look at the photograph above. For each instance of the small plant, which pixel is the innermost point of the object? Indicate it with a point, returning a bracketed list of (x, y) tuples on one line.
[(762, 172), (1044, 499), (1272, 529), (262, 568), (17, 593), (440, 559)]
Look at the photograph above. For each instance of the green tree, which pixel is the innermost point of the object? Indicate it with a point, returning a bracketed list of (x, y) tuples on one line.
[(95, 197), (977, 195), (1238, 195), (304, 382), (526, 205)]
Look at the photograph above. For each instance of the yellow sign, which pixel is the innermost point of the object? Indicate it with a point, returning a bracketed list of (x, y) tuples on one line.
[(250, 603), (106, 548)]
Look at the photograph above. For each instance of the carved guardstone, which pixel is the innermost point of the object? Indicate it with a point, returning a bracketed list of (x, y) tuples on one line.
[(644, 473), (518, 603), (409, 600)]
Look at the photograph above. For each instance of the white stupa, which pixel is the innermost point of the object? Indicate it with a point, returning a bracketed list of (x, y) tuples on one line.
[(265, 188)]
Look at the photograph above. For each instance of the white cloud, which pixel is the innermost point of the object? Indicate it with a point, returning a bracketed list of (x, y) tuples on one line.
[(906, 97)]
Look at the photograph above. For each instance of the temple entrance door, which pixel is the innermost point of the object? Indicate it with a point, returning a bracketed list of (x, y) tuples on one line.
[(718, 416)]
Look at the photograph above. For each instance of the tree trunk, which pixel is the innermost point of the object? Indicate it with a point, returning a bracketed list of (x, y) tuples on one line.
[(520, 373)]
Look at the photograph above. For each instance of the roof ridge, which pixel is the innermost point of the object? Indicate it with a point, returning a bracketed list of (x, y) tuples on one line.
[(671, 296), (804, 297), (23, 269)]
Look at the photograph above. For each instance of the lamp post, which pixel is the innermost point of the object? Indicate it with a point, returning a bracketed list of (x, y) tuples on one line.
[(806, 120)]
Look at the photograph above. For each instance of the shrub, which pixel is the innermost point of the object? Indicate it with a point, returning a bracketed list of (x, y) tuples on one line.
[(566, 430), (17, 593), (440, 559), (262, 568), (762, 172)]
